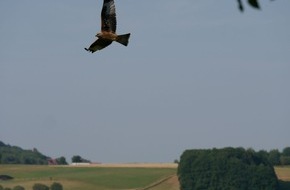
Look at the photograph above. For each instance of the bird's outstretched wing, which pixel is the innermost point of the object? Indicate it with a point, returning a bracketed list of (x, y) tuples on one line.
[(108, 16), (98, 45)]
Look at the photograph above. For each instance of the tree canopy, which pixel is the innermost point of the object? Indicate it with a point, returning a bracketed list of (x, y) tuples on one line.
[(226, 169), (16, 155), (39, 186), (56, 186), (79, 159)]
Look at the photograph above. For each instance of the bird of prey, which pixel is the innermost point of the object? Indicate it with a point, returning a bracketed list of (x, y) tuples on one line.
[(108, 29)]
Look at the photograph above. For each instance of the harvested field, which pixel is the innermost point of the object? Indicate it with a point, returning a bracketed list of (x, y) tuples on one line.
[(135, 165), (283, 173), (169, 183)]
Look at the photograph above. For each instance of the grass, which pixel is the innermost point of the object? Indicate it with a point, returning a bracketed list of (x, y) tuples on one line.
[(170, 184), (87, 178), (103, 178)]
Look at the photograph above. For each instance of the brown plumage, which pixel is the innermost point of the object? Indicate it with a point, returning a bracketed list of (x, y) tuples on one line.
[(108, 29)]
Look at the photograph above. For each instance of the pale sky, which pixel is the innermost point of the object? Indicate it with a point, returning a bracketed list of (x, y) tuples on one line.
[(196, 74)]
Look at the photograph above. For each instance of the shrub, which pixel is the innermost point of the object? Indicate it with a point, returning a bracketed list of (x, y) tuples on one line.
[(39, 186), (18, 187), (56, 186), (5, 177), (285, 160)]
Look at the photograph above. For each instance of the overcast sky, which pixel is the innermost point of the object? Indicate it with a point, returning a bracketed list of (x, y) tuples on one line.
[(196, 74)]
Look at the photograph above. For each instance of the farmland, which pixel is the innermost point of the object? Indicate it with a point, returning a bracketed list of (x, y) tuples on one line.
[(106, 176), (103, 177), (283, 174)]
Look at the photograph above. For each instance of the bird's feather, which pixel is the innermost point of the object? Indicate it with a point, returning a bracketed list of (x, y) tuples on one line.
[(108, 17), (98, 45)]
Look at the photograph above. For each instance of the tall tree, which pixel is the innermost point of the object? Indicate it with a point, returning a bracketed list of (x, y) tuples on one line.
[(76, 159), (274, 157), (56, 186), (39, 186), (18, 187), (286, 151), (61, 161), (79, 159)]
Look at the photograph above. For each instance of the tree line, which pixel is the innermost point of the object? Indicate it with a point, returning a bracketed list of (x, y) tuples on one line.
[(230, 169), (275, 157), (16, 155), (37, 186)]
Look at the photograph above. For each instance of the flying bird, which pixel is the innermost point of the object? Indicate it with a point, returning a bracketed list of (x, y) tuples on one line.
[(108, 29)]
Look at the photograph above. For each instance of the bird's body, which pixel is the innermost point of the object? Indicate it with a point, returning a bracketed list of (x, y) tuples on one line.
[(107, 35), (108, 29)]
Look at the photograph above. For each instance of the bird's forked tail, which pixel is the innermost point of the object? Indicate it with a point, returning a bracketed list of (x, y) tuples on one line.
[(123, 39)]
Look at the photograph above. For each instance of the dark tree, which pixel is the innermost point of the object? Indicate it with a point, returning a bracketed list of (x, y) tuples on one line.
[(79, 159), (56, 186), (274, 157), (5, 177), (285, 158), (76, 159), (2, 144), (61, 161), (286, 151), (226, 169), (39, 186), (18, 187), (16, 155)]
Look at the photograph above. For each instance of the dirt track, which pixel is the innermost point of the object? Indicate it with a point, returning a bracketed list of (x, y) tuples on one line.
[(169, 183)]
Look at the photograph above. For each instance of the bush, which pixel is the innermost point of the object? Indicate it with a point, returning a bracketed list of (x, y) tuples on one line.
[(285, 160), (18, 187), (39, 186), (5, 177), (56, 186), (226, 169), (286, 151)]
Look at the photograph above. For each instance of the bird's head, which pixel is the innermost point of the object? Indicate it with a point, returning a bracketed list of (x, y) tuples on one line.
[(98, 35)]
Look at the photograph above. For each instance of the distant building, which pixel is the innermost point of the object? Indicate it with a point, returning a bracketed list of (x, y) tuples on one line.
[(52, 161)]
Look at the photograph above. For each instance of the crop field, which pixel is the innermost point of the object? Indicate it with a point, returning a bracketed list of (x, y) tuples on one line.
[(283, 174), (103, 177), (106, 176)]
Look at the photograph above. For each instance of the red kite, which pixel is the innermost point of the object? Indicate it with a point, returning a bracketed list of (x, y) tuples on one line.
[(108, 29)]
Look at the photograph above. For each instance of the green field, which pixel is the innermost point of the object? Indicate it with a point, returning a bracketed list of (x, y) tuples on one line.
[(86, 178), (103, 178)]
